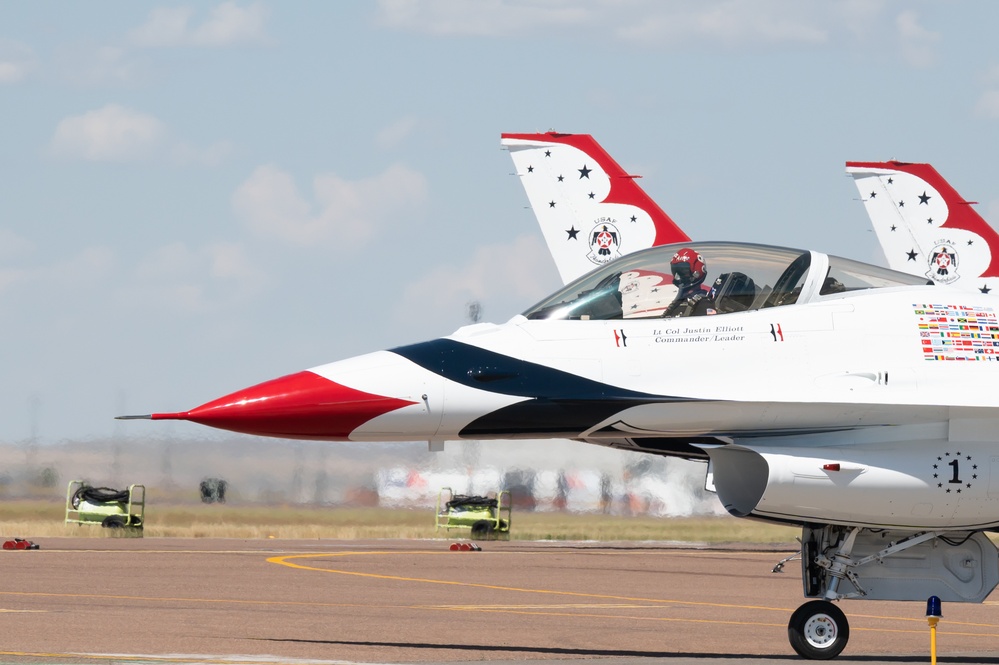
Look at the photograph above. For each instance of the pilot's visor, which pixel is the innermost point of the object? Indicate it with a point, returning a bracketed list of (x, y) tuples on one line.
[(681, 272)]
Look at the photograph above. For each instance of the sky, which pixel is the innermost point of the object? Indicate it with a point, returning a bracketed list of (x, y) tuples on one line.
[(197, 197)]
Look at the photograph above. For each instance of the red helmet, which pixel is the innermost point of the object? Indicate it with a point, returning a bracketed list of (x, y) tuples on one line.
[(688, 268)]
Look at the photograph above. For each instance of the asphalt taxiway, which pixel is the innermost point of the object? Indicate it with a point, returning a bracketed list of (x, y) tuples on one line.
[(167, 600)]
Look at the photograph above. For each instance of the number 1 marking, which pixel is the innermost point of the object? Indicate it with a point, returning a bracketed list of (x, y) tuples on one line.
[(956, 478)]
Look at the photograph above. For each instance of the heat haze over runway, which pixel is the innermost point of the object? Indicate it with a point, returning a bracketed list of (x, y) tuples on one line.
[(393, 601)]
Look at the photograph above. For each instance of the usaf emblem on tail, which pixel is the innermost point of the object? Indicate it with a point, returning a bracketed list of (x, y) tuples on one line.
[(605, 241), (943, 263)]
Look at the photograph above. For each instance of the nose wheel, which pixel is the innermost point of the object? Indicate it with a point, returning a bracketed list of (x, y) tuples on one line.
[(818, 630)]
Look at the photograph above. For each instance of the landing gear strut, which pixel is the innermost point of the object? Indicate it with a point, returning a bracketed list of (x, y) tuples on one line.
[(840, 562), (818, 630)]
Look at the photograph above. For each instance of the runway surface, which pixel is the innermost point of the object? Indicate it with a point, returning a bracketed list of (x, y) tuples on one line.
[(166, 600)]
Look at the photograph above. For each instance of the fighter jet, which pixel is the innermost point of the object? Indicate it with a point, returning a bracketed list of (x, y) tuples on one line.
[(925, 227), (846, 398)]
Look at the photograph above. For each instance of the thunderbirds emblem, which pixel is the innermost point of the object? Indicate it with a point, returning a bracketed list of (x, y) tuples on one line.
[(943, 263), (605, 241)]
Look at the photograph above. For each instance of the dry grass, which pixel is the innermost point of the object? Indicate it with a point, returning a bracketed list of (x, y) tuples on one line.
[(35, 519)]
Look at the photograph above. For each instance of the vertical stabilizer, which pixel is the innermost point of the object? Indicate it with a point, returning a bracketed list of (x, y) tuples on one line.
[(925, 227), (589, 209)]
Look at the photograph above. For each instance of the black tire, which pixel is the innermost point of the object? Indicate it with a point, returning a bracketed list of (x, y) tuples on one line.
[(482, 530), (113, 522), (818, 630)]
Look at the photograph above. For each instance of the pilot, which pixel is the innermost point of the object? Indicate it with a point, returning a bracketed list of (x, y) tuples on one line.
[(831, 285), (689, 271)]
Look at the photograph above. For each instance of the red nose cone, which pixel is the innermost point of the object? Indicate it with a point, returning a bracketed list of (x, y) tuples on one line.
[(298, 406)]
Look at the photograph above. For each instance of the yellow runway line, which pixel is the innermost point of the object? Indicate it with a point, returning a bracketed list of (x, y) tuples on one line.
[(284, 561), (647, 602)]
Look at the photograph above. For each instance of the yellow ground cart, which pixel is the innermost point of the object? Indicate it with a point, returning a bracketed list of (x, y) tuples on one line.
[(111, 508), (486, 517)]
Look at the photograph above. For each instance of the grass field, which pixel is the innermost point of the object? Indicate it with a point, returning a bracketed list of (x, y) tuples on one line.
[(36, 519)]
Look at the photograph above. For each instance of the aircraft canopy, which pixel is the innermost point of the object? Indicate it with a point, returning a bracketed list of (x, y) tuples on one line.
[(739, 277)]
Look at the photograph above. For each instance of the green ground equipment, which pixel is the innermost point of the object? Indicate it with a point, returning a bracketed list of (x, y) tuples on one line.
[(112, 509), (486, 517)]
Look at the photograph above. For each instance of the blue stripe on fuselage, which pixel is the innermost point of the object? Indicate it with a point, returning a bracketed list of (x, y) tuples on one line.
[(558, 403)]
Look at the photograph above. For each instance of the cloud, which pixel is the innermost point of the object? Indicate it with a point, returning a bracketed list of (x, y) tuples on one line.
[(166, 26), (229, 261), (860, 17), (344, 212), (228, 24), (916, 42), (96, 66), (488, 18), (167, 261), (990, 77), (114, 133), (11, 277), (731, 23), (89, 266), (650, 23), (506, 278), (396, 133), (16, 62), (653, 24), (13, 245), (109, 134), (196, 280), (988, 104)]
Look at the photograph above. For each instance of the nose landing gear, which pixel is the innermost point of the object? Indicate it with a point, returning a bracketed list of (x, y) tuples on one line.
[(818, 630), (860, 562)]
